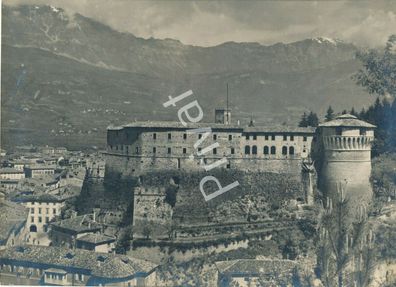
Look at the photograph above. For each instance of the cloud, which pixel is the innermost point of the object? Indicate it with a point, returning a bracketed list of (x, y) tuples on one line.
[(208, 23)]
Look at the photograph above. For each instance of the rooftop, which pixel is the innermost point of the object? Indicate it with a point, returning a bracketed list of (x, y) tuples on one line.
[(42, 197), (103, 265), (96, 238), (78, 224), (347, 120), (214, 126), (12, 215), (8, 170)]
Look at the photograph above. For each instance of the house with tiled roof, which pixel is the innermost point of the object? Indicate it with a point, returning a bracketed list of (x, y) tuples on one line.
[(12, 222), (37, 265), (65, 232), (96, 242)]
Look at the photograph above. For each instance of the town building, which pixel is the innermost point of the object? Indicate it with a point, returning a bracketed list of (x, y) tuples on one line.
[(12, 222), (96, 242), (37, 171), (65, 232), (38, 265), (11, 173), (43, 208)]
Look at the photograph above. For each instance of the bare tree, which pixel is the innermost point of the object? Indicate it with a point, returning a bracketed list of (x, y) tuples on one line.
[(346, 243)]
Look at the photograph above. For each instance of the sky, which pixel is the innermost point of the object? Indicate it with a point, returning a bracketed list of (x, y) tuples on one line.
[(209, 23)]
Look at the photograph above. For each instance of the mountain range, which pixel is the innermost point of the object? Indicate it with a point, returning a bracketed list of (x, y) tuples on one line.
[(66, 77)]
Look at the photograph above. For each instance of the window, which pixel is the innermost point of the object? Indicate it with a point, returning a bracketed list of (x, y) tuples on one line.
[(254, 137), (273, 150), (184, 150), (154, 149), (284, 150), (215, 151), (292, 138), (254, 149), (285, 137), (291, 150), (247, 137), (32, 219), (40, 219), (304, 138), (184, 136), (247, 149), (39, 210), (127, 149), (32, 210), (228, 165), (230, 137), (266, 150), (54, 211), (266, 137), (199, 149), (46, 210), (169, 150), (232, 150), (199, 136), (215, 137), (137, 149), (273, 137), (47, 219), (169, 136), (154, 136)]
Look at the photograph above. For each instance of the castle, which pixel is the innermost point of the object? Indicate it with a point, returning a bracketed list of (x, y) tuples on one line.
[(341, 149), (138, 147)]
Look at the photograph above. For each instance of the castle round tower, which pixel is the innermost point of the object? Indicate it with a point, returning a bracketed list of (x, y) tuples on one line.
[(346, 160)]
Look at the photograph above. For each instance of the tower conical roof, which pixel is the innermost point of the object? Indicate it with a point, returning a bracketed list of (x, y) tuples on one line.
[(347, 120)]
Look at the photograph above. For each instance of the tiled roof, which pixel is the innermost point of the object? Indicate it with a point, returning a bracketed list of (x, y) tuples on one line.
[(12, 215), (103, 265), (42, 197), (214, 126), (347, 120), (78, 224), (96, 238), (8, 170), (39, 167)]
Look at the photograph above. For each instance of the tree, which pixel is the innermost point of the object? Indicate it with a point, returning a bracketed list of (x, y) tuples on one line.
[(310, 120), (329, 114), (304, 121), (313, 120), (353, 112), (346, 244), (147, 229), (378, 74)]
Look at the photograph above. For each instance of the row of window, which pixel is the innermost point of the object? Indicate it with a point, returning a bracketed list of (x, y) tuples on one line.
[(32, 211), (185, 136), (248, 136), (248, 150), (269, 150), (40, 220)]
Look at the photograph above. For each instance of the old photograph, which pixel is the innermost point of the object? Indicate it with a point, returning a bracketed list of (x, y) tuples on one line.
[(198, 143)]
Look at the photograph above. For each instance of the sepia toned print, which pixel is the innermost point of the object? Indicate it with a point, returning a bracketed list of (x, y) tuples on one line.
[(198, 143)]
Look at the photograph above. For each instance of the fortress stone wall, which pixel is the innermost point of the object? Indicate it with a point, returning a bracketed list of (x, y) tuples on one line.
[(146, 146)]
